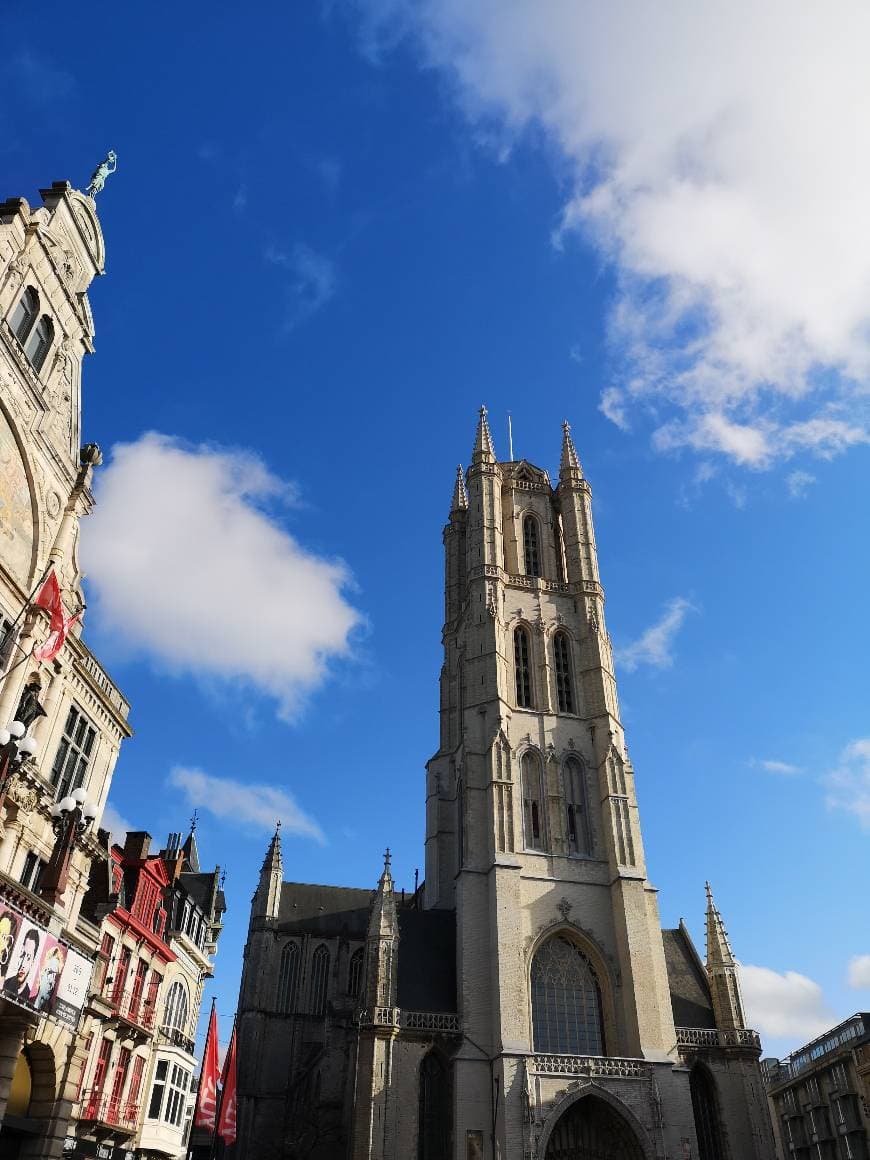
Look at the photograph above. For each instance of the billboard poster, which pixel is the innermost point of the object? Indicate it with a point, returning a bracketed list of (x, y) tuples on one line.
[(39, 971)]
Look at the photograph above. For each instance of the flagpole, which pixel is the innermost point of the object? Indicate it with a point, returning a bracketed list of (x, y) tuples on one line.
[(24, 609)]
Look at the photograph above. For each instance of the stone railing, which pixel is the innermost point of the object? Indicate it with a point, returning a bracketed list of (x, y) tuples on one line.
[(591, 1065), (98, 675), (439, 1021), (711, 1037)]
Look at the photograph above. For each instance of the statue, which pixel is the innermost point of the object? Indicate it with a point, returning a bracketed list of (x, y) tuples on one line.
[(29, 708), (98, 178)]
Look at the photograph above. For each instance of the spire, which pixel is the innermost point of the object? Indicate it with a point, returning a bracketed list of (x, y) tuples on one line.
[(722, 972), (460, 496), (569, 467), (484, 451), (383, 941), (267, 899)]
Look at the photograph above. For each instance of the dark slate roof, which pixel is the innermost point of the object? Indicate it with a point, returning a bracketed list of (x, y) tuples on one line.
[(326, 910), (427, 960), (200, 887), (690, 993)]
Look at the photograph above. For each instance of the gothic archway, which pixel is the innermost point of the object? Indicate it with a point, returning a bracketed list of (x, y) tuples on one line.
[(706, 1111), (591, 1129)]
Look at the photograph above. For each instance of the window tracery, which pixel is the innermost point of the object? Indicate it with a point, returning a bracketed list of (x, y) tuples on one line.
[(566, 1001), (533, 802), (564, 682), (522, 667), (288, 977), (531, 547)]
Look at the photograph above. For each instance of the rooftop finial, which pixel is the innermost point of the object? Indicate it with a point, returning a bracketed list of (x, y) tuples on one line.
[(460, 496), (483, 448), (569, 467), (98, 178), (387, 858), (194, 818)]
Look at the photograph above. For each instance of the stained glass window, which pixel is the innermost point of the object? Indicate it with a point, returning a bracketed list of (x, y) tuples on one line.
[(564, 684), (566, 1001), (530, 546), (287, 978), (521, 668)]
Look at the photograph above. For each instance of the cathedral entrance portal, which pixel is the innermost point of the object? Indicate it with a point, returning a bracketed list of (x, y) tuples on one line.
[(592, 1130)]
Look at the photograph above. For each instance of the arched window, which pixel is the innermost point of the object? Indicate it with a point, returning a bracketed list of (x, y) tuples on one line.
[(522, 668), (531, 551), (564, 683), (176, 1009), (288, 976), (576, 807), (24, 314), (433, 1124), (319, 980), (706, 1114), (533, 802), (566, 1001), (355, 973), (37, 346)]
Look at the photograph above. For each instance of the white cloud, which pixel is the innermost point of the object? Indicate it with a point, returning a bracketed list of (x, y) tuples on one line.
[(798, 483), (769, 766), (191, 571), (653, 646), (313, 281), (784, 1005), (859, 972), (116, 824), (256, 806), (848, 784), (717, 158)]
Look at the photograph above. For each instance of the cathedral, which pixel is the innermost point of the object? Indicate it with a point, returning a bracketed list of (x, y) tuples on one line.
[(524, 1003)]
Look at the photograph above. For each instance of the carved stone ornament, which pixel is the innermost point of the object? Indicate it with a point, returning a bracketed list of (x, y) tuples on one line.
[(564, 908), (16, 270), (24, 797)]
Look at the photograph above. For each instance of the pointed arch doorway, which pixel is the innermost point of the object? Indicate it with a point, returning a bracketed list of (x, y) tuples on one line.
[(592, 1130)]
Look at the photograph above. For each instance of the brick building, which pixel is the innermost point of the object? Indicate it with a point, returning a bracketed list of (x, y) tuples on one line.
[(524, 1003)]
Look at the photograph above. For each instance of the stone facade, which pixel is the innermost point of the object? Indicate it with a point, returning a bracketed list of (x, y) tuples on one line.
[(569, 1024), (48, 258)]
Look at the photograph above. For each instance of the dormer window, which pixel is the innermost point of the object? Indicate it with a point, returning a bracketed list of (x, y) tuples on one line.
[(39, 343), (24, 315), (531, 553)]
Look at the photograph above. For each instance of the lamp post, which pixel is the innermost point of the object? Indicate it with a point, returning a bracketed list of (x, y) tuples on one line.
[(16, 747), (70, 817)]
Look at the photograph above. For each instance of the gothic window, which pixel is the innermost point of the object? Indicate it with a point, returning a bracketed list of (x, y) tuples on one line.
[(434, 1110), (564, 683), (533, 802), (355, 973), (576, 807), (24, 314), (288, 977), (319, 980), (522, 667), (531, 550), (706, 1114), (566, 1001), (176, 1008), (37, 346)]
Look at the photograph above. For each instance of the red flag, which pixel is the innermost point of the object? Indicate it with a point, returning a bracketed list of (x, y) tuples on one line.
[(49, 598), (54, 642), (227, 1121), (206, 1098)]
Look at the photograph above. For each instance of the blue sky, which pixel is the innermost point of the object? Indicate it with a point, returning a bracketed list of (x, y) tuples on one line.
[(335, 232)]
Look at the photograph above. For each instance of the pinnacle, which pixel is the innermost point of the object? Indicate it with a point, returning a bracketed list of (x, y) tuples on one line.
[(386, 879), (273, 855), (719, 953), (460, 496), (483, 448), (569, 466)]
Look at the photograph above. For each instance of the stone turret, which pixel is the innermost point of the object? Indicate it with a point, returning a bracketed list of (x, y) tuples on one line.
[(722, 972), (382, 943), (460, 496), (267, 898)]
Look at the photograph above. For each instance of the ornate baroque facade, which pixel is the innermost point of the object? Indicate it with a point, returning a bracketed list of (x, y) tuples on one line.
[(525, 1003)]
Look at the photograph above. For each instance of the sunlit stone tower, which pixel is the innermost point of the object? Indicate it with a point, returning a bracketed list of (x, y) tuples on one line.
[(577, 1029)]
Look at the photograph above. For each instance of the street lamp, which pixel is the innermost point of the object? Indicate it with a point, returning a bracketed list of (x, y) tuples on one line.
[(71, 817), (16, 747)]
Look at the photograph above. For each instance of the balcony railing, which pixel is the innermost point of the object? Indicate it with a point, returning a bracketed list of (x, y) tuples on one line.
[(177, 1039), (135, 1010), (712, 1037), (438, 1021), (603, 1066), (122, 1115)]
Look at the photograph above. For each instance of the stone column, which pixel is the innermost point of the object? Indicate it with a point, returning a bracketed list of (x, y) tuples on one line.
[(12, 1030)]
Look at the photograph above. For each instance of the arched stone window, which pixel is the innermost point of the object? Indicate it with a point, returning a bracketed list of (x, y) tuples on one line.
[(531, 546), (39, 343), (177, 1008), (576, 807), (534, 836), (522, 667), (288, 977), (706, 1114), (24, 314), (566, 1001), (355, 973), (433, 1123), (590, 1127), (564, 680), (319, 980)]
